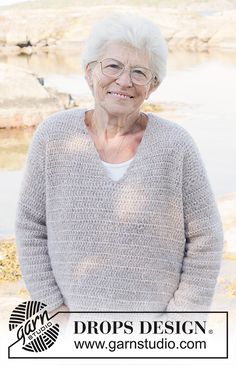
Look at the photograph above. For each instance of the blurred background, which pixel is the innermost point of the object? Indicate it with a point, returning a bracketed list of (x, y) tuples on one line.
[(40, 73)]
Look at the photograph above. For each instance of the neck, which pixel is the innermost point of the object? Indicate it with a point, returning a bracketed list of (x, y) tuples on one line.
[(110, 125)]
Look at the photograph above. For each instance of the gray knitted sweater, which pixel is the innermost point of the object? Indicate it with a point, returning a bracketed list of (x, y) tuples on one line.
[(151, 241)]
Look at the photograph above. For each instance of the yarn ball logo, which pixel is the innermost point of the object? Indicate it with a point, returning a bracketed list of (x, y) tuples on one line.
[(34, 327)]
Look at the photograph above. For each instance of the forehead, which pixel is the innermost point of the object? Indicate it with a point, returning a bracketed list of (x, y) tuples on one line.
[(126, 54)]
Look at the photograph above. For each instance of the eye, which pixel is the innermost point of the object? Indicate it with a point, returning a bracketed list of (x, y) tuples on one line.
[(111, 67), (139, 72), (114, 66)]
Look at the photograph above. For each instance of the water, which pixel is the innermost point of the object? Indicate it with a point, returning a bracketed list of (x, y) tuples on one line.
[(198, 93)]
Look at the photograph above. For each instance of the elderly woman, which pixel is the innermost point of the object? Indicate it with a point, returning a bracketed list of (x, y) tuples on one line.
[(116, 211)]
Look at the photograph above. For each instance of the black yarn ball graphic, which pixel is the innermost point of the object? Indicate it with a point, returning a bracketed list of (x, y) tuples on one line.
[(22, 313)]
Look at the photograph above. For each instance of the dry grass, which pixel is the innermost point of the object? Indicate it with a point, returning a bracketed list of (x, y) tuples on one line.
[(231, 289), (230, 256), (151, 108), (9, 266), (160, 107)]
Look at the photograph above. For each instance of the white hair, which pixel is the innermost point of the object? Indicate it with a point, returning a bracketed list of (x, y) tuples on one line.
[(133, 30)]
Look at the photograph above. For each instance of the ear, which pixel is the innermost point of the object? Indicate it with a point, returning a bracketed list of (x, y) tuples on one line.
[(88, 75), (152, 87)]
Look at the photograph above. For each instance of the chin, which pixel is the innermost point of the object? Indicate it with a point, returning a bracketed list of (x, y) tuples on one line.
[(119, 109)]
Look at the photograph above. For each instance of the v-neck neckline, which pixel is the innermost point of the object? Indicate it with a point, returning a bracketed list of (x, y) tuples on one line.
[(97, 159)]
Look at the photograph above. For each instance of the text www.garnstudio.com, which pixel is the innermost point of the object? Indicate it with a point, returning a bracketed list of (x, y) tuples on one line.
[(164, 343)]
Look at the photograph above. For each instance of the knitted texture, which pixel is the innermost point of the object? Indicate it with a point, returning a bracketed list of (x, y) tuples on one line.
[(151, 241)]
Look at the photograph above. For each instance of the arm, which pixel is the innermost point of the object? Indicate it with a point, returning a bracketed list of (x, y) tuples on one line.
[(31, 229), (204, 237)]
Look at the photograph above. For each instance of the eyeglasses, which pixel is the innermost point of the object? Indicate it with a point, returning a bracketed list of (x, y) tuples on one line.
[(138, 75)]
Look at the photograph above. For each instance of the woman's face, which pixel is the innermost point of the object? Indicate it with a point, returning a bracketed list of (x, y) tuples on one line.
[(109, 92)]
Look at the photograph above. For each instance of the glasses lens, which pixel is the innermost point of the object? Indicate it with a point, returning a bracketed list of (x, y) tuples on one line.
[(111, 67), (114, 68), (141, 75)]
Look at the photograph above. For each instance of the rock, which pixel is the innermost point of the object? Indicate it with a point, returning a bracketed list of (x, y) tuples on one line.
[(27, 50), (19, 83), (51, 41), (65, 99), (202, 46), (225, 37), (24, 100), (41, 43), (203, 35), (16, 37), (192, 28)]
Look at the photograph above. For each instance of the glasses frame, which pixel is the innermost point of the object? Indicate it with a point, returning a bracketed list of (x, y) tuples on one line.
[(154, 77)]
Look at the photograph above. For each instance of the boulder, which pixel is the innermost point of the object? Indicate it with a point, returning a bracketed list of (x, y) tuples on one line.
[(24, 101)]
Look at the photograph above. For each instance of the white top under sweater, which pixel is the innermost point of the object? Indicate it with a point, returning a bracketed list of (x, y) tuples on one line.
[(151, 241), (116, 170)]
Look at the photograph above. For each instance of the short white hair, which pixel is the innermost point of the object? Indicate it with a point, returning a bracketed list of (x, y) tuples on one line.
[(133, 30)]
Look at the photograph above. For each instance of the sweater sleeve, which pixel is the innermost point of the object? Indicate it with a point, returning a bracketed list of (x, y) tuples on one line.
[(203, 237), (31, 229)]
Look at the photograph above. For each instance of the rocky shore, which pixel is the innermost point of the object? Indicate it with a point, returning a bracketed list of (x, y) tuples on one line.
[(194, 27), (25, 101)]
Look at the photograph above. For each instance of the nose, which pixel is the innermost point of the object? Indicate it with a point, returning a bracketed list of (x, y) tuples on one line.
[(124, 79)]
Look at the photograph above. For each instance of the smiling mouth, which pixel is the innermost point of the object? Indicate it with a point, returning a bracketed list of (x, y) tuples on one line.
[(120, 96)]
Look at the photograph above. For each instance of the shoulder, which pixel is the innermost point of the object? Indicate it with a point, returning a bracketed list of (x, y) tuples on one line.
[(169, 132), (60, 124)]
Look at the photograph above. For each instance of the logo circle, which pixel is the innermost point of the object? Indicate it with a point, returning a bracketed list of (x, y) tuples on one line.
[(34, 329)]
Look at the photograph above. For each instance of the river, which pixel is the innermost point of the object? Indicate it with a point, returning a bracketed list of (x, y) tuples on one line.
[(198, 93)]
